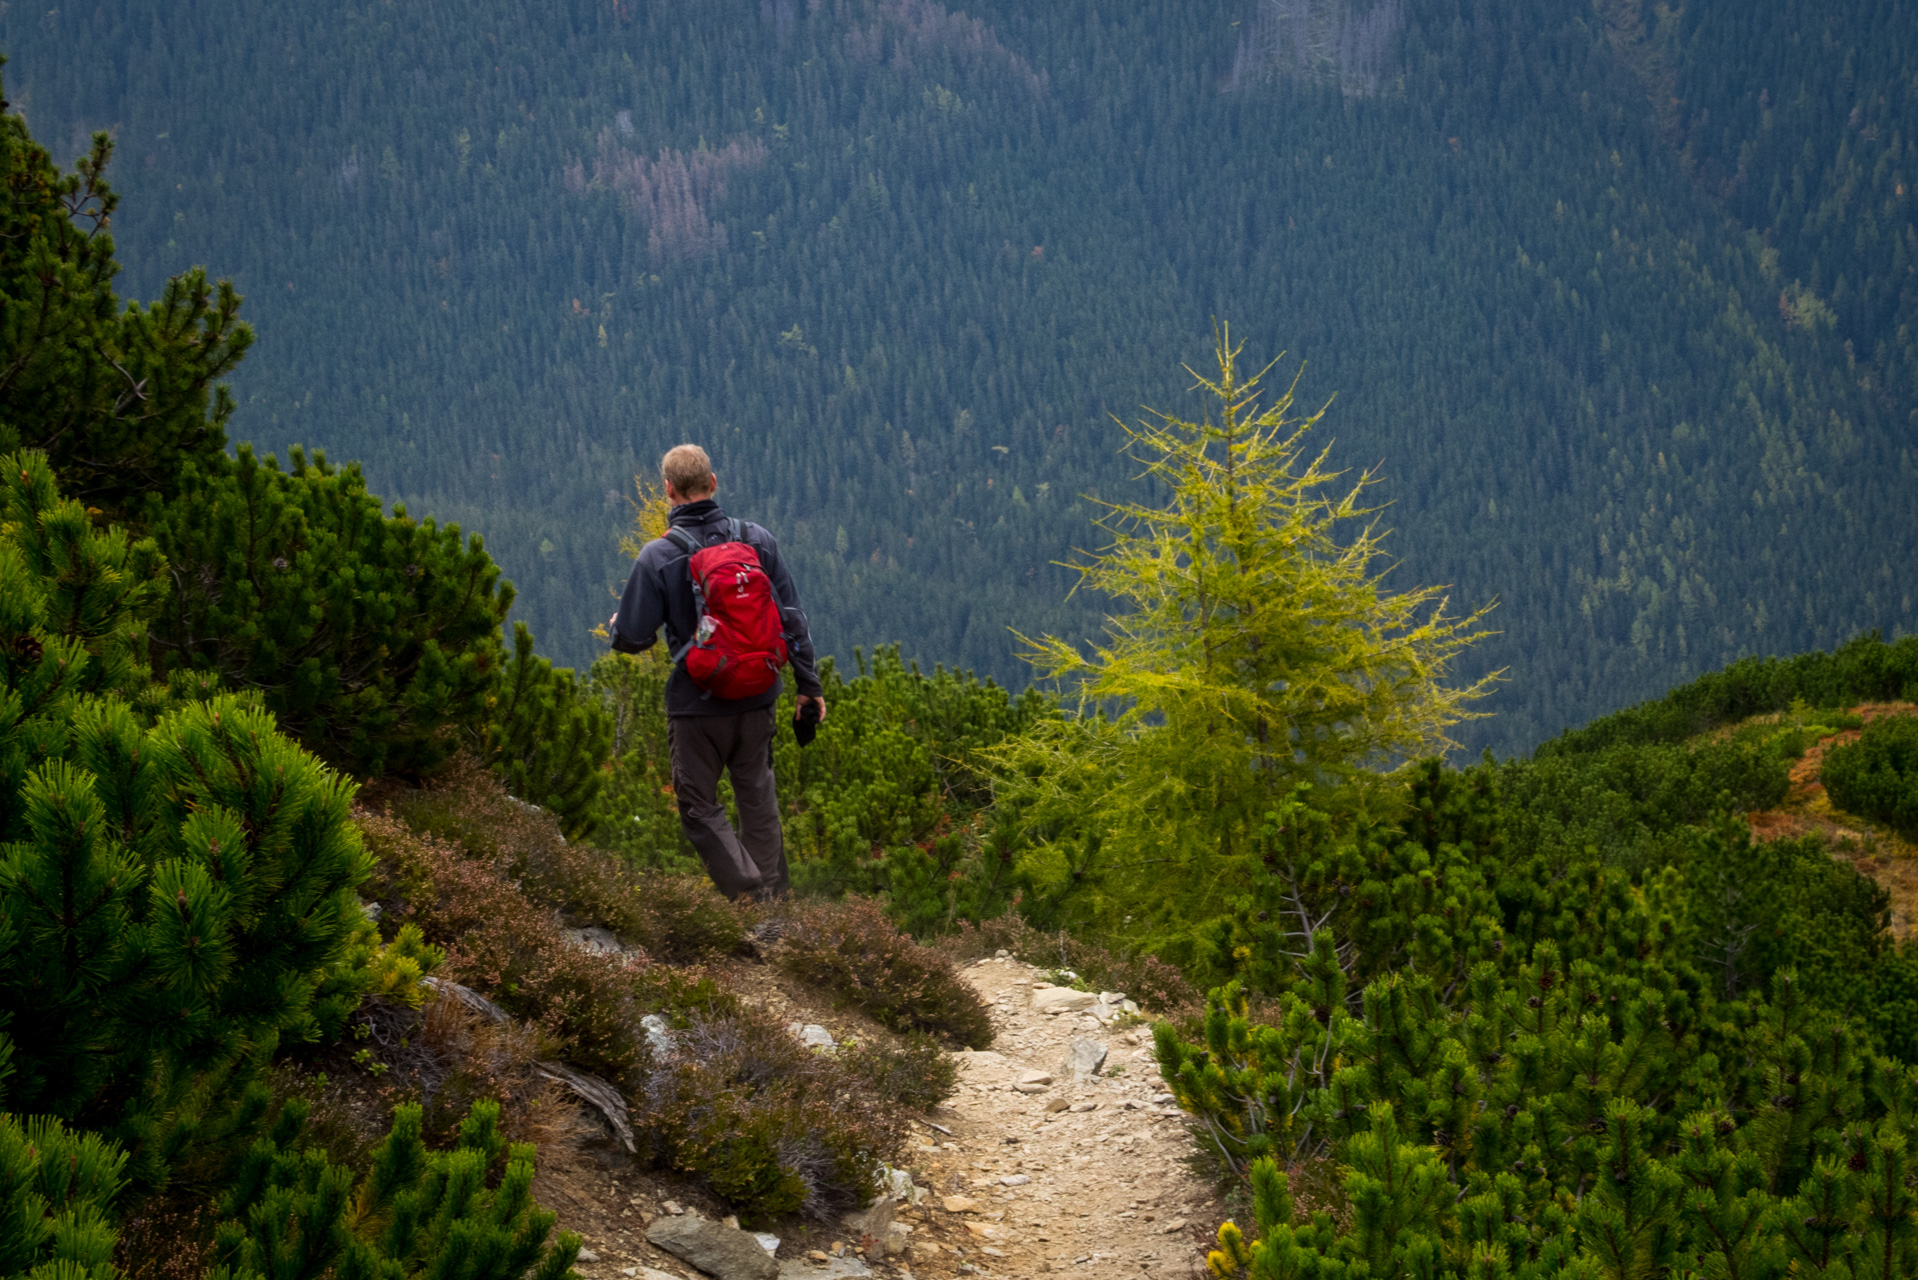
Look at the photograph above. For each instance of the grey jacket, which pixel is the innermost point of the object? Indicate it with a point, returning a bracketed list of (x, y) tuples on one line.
[(660, 593)]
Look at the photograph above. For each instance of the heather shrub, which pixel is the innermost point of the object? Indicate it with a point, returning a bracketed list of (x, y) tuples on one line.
[(919, 1074), (445, 1057), (739, 1103), (682, 917), (465, 804), (167, 1237), (676, 917), (763, 1120), (852, 950), (499, 941)]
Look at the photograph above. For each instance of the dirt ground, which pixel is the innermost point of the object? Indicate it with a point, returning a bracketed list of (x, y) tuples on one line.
[(1014, 1188), (1870, 848)]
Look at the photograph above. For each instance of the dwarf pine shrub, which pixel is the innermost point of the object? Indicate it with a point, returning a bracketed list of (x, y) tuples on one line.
[(1533, 1066), (466, 1212), (55, 1189), (178, 887), (1877, 776), (1863, 669), (1558, 1122)]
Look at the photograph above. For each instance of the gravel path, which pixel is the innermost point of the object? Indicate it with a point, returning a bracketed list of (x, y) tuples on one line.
[(1083, 1175), (1080, 1174)]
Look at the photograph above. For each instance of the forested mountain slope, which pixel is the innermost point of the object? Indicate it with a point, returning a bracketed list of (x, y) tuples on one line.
[(1618, 304)]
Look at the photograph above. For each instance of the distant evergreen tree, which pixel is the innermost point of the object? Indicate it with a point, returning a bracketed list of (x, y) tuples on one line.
[(1617, 299)]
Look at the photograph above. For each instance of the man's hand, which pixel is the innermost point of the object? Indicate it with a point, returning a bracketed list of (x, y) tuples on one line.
[(818, 702), (612, 625)]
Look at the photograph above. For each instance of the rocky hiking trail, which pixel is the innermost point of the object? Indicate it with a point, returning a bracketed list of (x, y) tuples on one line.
[(1059, 1153), (1052, 1169)]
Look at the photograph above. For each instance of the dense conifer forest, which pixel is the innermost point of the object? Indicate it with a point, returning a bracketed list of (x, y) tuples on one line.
[(1616, 297)]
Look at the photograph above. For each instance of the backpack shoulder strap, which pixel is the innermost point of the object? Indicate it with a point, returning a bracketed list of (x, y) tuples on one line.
[(735, 531), (682, 539)]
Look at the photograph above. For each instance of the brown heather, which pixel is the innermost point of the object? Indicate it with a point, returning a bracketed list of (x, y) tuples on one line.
[(851, 949), (500, 942), (675, 918), (767, 1124)]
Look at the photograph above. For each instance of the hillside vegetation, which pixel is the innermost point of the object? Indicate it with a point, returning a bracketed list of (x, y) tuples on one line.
[(1617, 294), (341, 934)]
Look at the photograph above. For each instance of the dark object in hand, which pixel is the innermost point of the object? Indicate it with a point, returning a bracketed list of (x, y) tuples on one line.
[(806, 723)]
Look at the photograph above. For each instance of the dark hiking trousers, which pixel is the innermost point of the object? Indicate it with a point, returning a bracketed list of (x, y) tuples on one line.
[(752, 861)]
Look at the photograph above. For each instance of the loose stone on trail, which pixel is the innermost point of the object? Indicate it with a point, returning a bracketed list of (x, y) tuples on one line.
[(1084, 1058)]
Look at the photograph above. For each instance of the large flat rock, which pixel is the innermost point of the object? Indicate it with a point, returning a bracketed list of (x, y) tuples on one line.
[(1062, 1000), (724, 1252)]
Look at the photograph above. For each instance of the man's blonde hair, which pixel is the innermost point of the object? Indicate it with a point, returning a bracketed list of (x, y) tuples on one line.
[(688, 470)]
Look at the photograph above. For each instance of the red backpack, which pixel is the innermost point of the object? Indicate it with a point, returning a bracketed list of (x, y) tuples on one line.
[(741, 643)]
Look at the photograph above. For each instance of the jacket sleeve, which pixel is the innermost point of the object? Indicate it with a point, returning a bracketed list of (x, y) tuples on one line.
[(642, 608), (798, 632)]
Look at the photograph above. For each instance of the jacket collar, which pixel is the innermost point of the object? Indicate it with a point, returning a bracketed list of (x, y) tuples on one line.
[(695, 513)]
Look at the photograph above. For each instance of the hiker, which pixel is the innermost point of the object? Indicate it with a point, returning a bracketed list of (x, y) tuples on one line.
[(732, 618)]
